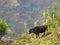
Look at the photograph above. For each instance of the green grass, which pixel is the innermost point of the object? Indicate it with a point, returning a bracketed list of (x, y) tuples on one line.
[(48, 39)]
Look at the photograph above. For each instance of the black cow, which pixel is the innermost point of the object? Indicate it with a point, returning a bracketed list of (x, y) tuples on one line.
[(38, 29)]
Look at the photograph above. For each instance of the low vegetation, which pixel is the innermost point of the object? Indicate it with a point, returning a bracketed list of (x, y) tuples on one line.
[(3, 28), (52, 36)]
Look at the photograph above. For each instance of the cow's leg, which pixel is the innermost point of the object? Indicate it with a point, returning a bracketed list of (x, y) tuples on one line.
[(43, 34), (37, 35)]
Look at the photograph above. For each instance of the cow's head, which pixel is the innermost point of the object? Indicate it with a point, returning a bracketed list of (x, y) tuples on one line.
[(30, 31)]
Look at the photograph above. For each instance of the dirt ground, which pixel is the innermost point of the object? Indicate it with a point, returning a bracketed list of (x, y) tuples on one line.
[(6, 43)]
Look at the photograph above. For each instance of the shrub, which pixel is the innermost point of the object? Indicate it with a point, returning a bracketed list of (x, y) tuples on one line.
[(3, 27)]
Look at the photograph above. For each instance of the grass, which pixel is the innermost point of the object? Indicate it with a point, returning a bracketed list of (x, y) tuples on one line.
[(52, 37)]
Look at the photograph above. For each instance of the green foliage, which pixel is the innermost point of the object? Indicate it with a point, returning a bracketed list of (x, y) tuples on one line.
[(3, 27), (54, 13), (53, 16), (25, 24), (36, 23), (26, 39), (9, 31)]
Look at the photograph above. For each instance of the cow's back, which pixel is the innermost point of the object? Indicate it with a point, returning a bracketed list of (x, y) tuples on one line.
[(42, 29)]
